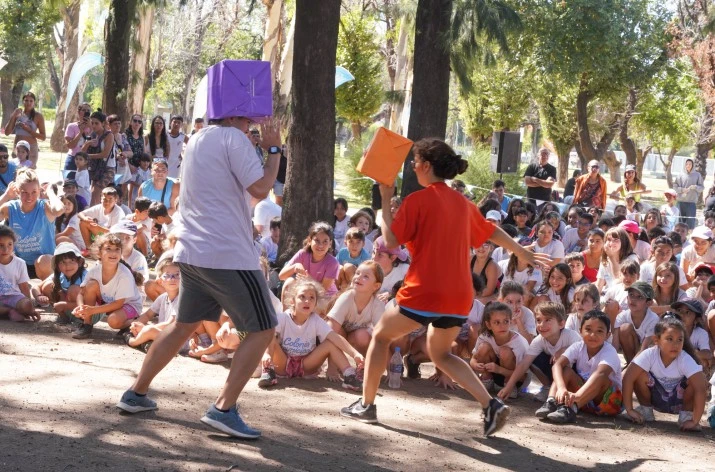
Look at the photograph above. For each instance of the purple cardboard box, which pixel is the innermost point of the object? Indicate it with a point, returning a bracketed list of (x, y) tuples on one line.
[(240, 88)]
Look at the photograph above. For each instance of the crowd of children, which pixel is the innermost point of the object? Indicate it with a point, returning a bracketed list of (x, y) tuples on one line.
[(613, 286)]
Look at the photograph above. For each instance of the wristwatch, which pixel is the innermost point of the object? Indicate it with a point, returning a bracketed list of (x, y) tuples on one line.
[(274, 150)]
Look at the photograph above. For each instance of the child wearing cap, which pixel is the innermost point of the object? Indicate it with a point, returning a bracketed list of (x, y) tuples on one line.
[(669, 210), (634, 327), (640, 247), (690, 311), (701, 250), (127, 232), (63, 286), (699, 288), (69, 189), (22, 151), (394, 263)]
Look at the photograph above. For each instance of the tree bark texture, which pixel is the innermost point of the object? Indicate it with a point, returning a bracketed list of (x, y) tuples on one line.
[(69, 51), (117, 34), (140, 58), (308, 193), (600, 151), (705, 141), (563, 151), (627, 144), (430, 83), (10, 92)]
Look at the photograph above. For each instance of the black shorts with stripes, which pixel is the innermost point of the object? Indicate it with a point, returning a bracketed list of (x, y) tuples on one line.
[(242, 294)]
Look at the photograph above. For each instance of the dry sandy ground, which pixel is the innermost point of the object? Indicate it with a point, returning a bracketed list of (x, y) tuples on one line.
[(57, 413)]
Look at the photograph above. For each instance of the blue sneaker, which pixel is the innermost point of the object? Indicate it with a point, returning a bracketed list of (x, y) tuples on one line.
[(711, 416), (229, 423), (133, 403)]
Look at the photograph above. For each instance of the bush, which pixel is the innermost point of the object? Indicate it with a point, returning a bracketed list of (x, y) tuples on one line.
[(357, 185), (49, 113)]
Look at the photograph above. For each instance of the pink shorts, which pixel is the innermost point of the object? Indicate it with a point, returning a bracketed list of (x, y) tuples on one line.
[(11, 300), (128, 309)]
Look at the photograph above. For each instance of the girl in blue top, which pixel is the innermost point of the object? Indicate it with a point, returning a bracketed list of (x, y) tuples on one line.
[(32, 220), (63, 286)]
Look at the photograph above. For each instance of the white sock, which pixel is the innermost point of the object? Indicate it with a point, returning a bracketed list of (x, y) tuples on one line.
[(349, 371)]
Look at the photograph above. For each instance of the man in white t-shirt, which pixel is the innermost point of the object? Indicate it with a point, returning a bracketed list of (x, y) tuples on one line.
[(96, 220), (176, 139), (219, 265), (264, 211)]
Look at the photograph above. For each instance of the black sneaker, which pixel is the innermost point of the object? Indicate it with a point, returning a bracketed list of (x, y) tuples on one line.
[(268, 378), (122, 332), (413, 370), (145, 347), (127, 337), (351, 382), (563, 414), (83, 332), (495, 416), (549, 406), (364, 414), (62, 319)]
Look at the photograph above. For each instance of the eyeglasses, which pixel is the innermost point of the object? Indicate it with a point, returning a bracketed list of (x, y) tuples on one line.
[(137, 121), (4, 156), (175, 276)]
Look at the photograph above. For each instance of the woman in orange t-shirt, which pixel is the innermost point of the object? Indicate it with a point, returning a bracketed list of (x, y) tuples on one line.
[(439, 227)]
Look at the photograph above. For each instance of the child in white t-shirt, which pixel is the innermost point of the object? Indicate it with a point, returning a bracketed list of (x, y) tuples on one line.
[(340, 228), (498, 349), (634, 327), (552, 341), (585, 299), (15, 298), (522, 319), (304, 341), (691, 314), (81, 176), (522, 273), (587, 376), (119, 297), (127, 231), (557, 287), (667, 378), (165, 308)]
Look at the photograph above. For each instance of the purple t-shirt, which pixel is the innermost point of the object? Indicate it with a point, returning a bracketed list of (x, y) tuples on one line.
[(329, 268)]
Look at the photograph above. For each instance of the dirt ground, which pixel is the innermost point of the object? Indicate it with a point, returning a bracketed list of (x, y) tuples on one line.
[(57, 413)]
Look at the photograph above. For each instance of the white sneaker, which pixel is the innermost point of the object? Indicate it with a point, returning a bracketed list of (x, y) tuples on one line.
[(542, 395), (684, 416), (514, 393), (646, 412)]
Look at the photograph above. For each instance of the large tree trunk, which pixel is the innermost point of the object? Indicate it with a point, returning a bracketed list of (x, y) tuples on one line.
[(668, 165), (627, 144), (563, 151), (311, 140), (10, 92), (273, 41), (403, 79), (600, 152), (613, 164), (140, 58), (201, 23), (117, 33), (430, 86), (69, 52), (706, 141), (285, 79)]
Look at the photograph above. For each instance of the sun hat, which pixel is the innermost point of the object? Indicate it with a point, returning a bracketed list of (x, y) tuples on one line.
[(670, 191), (702, 232), (692, 304), (24, 144), (493, 215), (124, 227), (379, 246), (643, 288), (67, 248), (630, 167), (630, 227)]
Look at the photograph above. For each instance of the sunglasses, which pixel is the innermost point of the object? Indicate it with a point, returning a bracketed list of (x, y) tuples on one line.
[(176, 276), (137, 121)]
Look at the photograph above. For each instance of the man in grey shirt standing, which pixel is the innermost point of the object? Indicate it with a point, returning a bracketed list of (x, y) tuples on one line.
[(688, 186)]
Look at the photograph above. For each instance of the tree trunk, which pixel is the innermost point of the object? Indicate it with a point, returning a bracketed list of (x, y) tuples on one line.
[(285, 79), (641, 155), (391, 62), (201, 23), (140, 58), (563, 151), (273, 41), (430, 86), (613, 164), (117, 33), (311, 140), (627, 144), (70, 53), (668, 165), (705, 142), (10, 92), (403, 70), (356, 130)]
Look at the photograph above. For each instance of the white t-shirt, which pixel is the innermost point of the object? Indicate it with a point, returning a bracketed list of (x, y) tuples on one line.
[(165, 308), (264, 212), (121, 286), (647, 327), (12, 275), (105, 220), (539, 344), (299, 340), (700, 339), (573, 322), (606, 274), (523, 277), (529, 321), (398, 273), (691, 256), (642, 250), (648, 273), (554, 249), (618, 293), (341, 227), (82, 179), (671, 216), (144, 225), (346, 313), (76, 235), (499, 254), (517, 344), (669, 377), (556, 298), (577, 353), (214, 228), (476, 313), (138, 263), (571, 238), (176, 146)]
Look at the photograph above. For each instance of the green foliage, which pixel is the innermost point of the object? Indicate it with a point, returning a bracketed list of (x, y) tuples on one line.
[(480, 175), (361, 98), (357, 186), (25, 36), (557, 111), (49, 113)]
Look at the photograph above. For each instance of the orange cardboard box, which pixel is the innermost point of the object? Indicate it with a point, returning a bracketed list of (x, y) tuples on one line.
[(384, 157)]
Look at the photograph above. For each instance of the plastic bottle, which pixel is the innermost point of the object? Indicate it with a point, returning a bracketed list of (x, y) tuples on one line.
[(394, 374)]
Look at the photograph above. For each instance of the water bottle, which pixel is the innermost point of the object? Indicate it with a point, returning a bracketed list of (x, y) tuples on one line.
[(394, 374)]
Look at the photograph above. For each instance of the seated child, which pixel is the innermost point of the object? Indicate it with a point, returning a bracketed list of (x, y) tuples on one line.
[(519, 271), (557, 287), (22, 151), (340, 226), (139, 174), (270, 242), (140, 217), (666, 378), (699, 284), (585, 299), (666, 285), (351, 255), (662, 250), (498, 349), (634, 327), (127, 232), (304, 341), (522, 320), (163, 225), (63, 287), (15, 297), (576, 263), (552, 341), (587, 376), (165, 307), (363, 221), (616, 297), (690, 311)]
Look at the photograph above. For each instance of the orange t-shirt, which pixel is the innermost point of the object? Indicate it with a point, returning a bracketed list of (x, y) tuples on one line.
[(439, 226)]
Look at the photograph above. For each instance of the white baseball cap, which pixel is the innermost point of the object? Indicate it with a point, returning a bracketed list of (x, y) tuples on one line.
[(702, 232), (494, 216)]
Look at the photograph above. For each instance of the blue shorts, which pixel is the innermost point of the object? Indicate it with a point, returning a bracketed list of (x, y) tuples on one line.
[(543, 363)]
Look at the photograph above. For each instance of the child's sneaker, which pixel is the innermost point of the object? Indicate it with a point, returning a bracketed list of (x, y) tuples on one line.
[(548, 407), (542, 395), (563, 414), (229, 422), (351, 382), (488, 384), (358, 412), (413, 370), (62, 319), (711, 415), (646, 412), (133, 403), (268, 378), (83, 332), (685, 416), (495, 415)]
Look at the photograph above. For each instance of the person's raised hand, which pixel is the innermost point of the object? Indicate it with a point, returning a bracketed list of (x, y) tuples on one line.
[(387, 192), (271, 133)]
